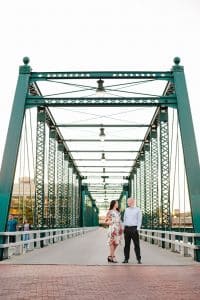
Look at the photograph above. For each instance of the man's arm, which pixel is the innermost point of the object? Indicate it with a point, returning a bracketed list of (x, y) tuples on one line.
[(124, 218), (139, 221)]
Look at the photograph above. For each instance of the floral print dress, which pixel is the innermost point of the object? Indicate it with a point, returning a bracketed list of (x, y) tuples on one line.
[(115, 227)]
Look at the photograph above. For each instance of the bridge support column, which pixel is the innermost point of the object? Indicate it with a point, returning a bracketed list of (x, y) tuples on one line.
[(12, 145), (190, 153), (51, 178), (148, 193), (70, 195), (143, 189), (164, 167), (65, 190), (138, 192), (154, 177), (40, 169), (60, 192)]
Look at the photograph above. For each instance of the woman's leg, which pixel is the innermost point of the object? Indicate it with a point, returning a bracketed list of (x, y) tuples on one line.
[(112, 250)]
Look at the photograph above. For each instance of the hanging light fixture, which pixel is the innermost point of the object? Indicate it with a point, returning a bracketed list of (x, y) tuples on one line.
[(103, 157), (100, 87), (102, 134), (100, 91)]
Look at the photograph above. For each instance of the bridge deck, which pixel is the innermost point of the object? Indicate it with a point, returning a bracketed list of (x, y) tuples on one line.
[(92, 249), (77, 269)]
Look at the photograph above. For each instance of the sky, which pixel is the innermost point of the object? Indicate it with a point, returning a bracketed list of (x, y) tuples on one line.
[(98, 35)]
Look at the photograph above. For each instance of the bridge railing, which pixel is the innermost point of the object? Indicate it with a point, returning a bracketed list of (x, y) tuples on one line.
[(35, 239), (181, 242)]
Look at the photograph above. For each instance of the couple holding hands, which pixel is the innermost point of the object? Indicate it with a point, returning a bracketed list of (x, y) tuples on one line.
[(130, 226)]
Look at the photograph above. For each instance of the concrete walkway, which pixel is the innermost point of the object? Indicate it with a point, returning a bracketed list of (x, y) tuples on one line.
[(92, 249)]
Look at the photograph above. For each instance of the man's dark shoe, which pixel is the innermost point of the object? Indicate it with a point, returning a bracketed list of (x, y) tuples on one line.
[(139, 262), (125, 261)]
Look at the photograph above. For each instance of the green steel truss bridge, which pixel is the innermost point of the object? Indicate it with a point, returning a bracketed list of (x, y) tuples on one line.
[(71, 184)]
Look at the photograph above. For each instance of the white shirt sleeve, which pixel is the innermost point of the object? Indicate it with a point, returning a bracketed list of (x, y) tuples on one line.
[(124, 221), (139, 221)]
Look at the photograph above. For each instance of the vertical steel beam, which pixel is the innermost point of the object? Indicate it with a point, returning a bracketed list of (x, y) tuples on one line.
[(148, 191), (138, 190), (77, 201), (70, 195), (130, 185), (9, 160), (189, 146), (59, 206), (65, 191), (142, 188), (40, 169), (134, 184), (154, 178), (51, 178), (164, 167), (83, 204), (73, 198)]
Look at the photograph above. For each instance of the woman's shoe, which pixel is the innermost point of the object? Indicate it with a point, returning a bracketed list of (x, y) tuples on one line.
[(114, 260), (110, 259)]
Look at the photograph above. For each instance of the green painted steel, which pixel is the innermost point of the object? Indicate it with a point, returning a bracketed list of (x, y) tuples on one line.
[(39, 220), (138, 190), (12, 145), (189, 146), (164, 169), (70, 196), (157, 75), (148, 186), (134, 174), (154, 177), (123, 198), (100, 125), (142, 188), (77, 204), (73, 199), (51, 177), (83, 196), (90, 212), (65, 191), (81, 101), (60, 191)]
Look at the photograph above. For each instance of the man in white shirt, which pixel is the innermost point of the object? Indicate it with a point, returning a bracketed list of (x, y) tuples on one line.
[(132, 223)]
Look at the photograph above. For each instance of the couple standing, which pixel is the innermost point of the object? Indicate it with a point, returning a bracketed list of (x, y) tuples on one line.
[(132, 223)]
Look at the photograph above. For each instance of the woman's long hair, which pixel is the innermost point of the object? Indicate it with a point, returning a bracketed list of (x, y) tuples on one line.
[(112, 204)]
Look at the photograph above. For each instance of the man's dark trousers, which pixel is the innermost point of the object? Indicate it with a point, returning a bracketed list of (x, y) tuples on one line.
[(131, 233)]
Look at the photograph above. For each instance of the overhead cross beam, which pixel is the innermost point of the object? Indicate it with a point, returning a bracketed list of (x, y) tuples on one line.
[(107, 140), (157, 75), (32, 101), (102, 125), (105, 151)]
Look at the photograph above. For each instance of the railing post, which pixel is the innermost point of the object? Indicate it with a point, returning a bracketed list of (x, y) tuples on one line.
[(167, 244), (37, 242), (18, 248), (184, 249), (173, 246), (6, 250), (31, 244)]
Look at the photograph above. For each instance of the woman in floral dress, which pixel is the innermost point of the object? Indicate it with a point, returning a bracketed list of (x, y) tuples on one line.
[(113, 219)]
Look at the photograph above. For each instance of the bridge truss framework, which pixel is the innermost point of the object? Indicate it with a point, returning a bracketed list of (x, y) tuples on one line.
[(70, 203)]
